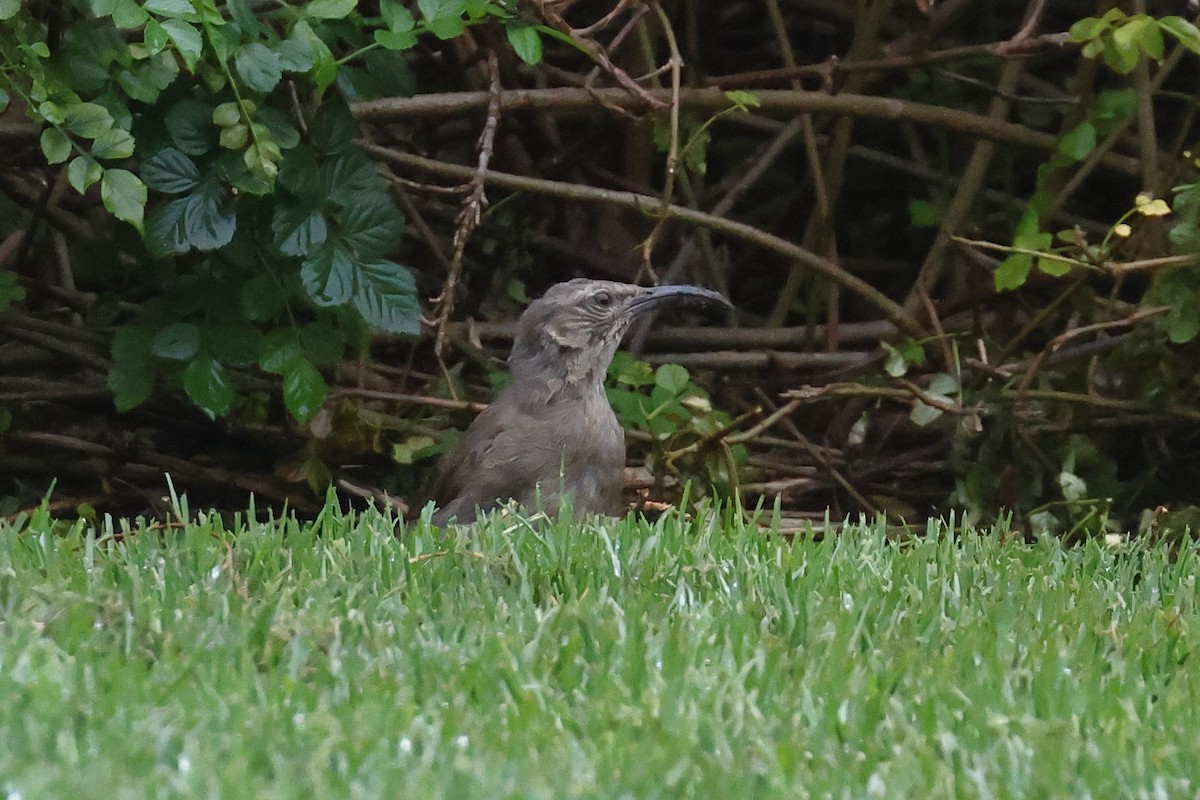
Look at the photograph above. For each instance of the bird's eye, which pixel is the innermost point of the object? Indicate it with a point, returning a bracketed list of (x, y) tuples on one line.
[(602, 299)]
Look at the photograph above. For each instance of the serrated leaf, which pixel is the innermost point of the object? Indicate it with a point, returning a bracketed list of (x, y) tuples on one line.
[(372, 230), (124, 195), (328, 275), (56, 145), (207, 222), (324, 69), (526, 42), (304, 390), (113, 144), (165, 233), (280, 350), (258, 67), (238, 344), (329, 9), (332, 128), (187, 41), (262, 299), (386, 297), (130, 383), (171, 171), (298, 230), (190, 125), (207, 383), (83, 172), (177, 342)]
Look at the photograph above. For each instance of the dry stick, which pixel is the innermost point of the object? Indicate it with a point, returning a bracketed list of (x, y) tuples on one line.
[(816, 454), (824, 215), (1147, 137), (394, 109), (890, 309), (830, 69), (401, 397), (675, 62), (964, 198), (582, 39), (760, 164), (828, 175), (473, 205)]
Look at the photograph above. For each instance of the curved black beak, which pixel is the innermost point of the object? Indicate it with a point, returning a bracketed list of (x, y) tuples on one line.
[(655, 296)]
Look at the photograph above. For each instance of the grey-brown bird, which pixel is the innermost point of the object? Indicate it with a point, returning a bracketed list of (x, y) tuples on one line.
[(552, 432)]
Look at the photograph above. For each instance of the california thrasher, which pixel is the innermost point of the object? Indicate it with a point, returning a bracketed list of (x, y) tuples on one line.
[(552, 432)]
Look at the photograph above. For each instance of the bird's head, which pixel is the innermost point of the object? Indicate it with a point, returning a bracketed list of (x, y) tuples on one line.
[(569, 335)]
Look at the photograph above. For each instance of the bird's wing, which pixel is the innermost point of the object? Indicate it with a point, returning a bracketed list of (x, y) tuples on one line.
[(501, 455)]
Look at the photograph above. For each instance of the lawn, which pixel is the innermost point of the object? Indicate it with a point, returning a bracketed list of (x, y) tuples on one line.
[(531, 659)]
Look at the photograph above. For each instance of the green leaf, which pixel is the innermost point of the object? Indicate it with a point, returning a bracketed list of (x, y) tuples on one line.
[(88, 120), (397, 18), (328, 275), (171, 171), (177, 342), (672, 378), (234, 137), (238, 344), (304, 390), (295, 55), (227, 114), (1183, 323), (9, 9), (325, 68), (1012, 271), (1183, 30), (165, 233), (206, 382), (1078, 142), (280, 351), (371, 229), (262, 299), (113, 144), (170, 8), (395, 40), (131, 384), (1087, 29), (207, 222), (258, 67), (446, 27), (525, 43), (298, 230), (187, 41), (82, 172), (132, 343), (924, 214), (129, 14), (322, 343), (56, 146), (329, 9), (190, 125), (124, 195), (332, 128), (10, 292), (386, 297), (1122, 58)]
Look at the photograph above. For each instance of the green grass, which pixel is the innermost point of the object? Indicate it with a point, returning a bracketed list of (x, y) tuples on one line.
[(532, 659)]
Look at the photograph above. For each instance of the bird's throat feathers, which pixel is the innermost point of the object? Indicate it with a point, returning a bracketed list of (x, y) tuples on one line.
[(549, 372)]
